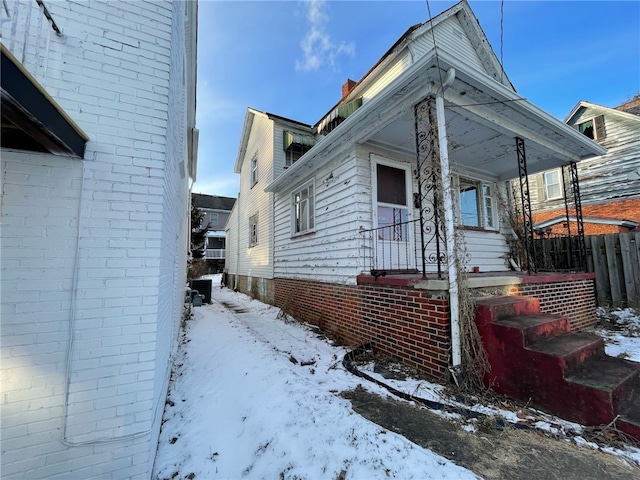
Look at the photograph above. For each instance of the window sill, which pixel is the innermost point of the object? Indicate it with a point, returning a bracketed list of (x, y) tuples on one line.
[(303, 234), (477, 229)]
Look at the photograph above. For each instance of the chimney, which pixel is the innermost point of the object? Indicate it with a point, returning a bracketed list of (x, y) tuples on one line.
[(632, 106), (347, 87)]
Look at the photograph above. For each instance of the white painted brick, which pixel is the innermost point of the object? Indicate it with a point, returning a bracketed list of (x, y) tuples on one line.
[(75, 64)]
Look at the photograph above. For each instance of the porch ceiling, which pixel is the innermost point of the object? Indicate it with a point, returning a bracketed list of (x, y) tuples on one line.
[(481, 129)]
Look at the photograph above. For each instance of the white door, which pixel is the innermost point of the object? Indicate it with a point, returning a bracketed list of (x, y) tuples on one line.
[(393, 234)]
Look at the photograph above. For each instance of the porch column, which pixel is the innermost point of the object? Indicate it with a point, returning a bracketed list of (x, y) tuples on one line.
[(571, 260), (527, 220), (577, 203)]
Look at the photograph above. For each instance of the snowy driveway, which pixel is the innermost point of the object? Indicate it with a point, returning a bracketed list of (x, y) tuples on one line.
[(256, 397)]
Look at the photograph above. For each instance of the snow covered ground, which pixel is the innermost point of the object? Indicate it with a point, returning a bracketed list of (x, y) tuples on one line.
[(257, 396)]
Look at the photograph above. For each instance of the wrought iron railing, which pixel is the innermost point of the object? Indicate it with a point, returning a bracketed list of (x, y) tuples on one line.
[(557, 252), (389, 249)]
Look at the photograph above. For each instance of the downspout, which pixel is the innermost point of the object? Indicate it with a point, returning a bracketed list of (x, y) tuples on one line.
[(235, 277), (447, 198)]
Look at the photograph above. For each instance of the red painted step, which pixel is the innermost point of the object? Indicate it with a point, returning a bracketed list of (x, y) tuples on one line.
[(629, 411), (534, 327), (536, 358)]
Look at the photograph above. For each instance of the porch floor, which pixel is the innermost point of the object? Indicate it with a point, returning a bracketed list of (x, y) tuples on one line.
[(475, 280)]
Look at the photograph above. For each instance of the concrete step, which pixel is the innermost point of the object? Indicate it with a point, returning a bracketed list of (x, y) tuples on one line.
[(530, 329), (568, 351), (491, 309), (603, 385), (607, 374), (629, 411)]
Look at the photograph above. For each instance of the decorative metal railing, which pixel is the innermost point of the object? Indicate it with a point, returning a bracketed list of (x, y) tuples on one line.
[(428, 200), (556, 252), (389, 249)]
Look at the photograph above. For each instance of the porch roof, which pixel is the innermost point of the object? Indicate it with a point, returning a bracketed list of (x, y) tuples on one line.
[(31, 118), (483, 117)]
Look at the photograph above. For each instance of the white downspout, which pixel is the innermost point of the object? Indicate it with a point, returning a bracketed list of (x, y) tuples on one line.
[(235, 278), (447, 198)]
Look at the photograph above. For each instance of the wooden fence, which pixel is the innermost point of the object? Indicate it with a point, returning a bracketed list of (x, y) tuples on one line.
[(615, 259)]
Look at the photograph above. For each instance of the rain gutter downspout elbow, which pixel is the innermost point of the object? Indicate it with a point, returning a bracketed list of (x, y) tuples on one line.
[(447, 198)]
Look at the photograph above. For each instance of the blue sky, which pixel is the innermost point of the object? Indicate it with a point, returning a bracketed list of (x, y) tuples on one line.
[(291, 58)]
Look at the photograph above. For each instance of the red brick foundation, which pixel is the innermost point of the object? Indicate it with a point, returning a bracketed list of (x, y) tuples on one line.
[(412, 324), (570, 295), (399, 321)]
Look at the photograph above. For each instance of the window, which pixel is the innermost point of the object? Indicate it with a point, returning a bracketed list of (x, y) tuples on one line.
[(303, 209), (213, 219), (254, 171), (594, 128), (294, 152), (295, 145), (477, 204), (552, 184), (253, 230), (393, 214), (488, 199)]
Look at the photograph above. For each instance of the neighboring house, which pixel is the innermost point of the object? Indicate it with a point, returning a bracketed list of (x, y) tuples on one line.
[(98, 151), (609, 184), (216, 213), (409, 172)]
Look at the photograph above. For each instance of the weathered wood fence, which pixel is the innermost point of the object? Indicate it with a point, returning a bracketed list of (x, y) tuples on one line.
[(615, 259)]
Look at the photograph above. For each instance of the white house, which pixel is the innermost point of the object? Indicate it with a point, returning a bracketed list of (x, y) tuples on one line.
[(98, 153), (609, 184), (407, 174), (216, 212)]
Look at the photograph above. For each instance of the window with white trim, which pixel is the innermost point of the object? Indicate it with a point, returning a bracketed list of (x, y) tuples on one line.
[(253, 230), (254, 171), (552, 184), (302, 209), (213, 219), (477, 204), (593, 128)]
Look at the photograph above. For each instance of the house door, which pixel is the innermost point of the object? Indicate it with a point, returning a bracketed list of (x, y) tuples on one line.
[(393, 234)]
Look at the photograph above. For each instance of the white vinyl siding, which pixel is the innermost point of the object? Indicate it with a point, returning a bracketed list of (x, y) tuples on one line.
[(485, 249), (385, 78), (342, 205), (450, 38), (256, 261)]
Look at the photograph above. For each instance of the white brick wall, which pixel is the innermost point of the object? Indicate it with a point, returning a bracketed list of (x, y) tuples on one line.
[(117, 71)]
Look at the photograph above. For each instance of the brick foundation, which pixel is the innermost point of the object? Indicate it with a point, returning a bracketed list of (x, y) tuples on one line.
[(411, 323), (562, 295), (401, 321)]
